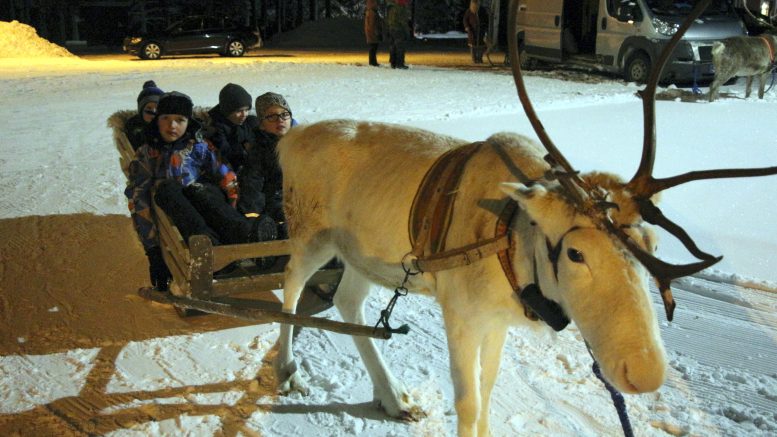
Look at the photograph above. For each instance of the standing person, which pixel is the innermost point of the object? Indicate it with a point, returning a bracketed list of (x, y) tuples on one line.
[(475, 23), (399, 31), (373, 30), (181, 171), (135, 127), (231, 131)]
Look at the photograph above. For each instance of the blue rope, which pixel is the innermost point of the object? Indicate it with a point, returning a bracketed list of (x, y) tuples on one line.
[(696, 90), (617, 400)]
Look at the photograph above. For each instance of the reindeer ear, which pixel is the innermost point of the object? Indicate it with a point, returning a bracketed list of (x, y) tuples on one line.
[(522, 193), (534, 199)]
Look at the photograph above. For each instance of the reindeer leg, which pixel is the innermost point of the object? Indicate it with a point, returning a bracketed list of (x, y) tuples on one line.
[(464, 344), (762, 78), (748, 86), (387, 390), (715, 86), (302, 264), (490, 357)]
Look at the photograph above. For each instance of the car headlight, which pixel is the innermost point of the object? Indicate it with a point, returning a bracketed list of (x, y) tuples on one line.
[(135, 40), (665, 27)]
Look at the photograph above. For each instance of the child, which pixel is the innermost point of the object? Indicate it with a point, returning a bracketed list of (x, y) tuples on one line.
[(189, 182), (135, 127)]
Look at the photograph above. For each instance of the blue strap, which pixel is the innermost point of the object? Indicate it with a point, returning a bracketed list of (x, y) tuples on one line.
[(617, 400)]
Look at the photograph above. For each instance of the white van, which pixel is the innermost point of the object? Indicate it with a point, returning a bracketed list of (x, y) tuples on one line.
[(624, 36)]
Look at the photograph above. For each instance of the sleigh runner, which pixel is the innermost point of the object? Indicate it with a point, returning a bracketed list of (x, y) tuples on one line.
[(207, 278)]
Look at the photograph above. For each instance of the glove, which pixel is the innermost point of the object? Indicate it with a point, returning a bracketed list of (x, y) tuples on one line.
[(157, 269), (263, 229)]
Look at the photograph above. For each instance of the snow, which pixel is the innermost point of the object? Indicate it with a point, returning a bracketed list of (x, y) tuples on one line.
[(57, 159)]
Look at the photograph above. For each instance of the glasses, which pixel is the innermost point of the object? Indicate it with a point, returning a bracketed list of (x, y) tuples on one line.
[(277, 117), (149, 112)]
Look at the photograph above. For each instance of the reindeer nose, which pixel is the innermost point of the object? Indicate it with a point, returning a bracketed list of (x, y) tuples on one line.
[(641, 373)]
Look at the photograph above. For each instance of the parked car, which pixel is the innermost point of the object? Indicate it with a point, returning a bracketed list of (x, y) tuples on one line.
[(195, 35)]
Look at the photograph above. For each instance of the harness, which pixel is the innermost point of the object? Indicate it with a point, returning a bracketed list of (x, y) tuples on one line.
[(769, 45), (430, 219)]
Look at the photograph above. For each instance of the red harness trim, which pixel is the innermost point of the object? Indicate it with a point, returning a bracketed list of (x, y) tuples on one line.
[(770, 45)]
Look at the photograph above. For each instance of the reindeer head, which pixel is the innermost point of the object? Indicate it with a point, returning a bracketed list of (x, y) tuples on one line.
[(601, 246)]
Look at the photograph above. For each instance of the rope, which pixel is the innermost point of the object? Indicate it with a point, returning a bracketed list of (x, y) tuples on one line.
[(617, 401), (774, 73), (696, 90)]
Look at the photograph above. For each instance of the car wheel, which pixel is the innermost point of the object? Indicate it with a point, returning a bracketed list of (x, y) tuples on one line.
[(236, 48), (637, 68), (151, 50)]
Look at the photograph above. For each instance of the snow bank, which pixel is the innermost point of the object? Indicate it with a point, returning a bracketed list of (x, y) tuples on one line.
[(18, 40)]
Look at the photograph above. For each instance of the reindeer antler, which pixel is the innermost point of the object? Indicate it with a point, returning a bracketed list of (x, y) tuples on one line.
[(643, 185)]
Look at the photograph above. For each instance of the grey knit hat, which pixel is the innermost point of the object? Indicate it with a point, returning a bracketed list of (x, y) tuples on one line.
[(267, 100)]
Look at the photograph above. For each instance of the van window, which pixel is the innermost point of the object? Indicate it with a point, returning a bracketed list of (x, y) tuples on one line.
[(681, 8), (624, 10)]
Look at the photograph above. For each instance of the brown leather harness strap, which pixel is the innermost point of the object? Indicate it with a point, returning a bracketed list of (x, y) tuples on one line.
[(430, 217), (770, 45), (433, 203)]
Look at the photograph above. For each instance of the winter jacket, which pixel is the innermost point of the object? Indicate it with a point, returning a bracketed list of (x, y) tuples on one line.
[(475, 25), (232, 141), (187, 160), (373, 26), (135, 129), (263, 162), (398, 20)]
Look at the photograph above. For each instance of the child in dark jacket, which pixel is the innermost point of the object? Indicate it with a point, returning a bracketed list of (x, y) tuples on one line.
[(188, 180), (135, 127), (231, 130)]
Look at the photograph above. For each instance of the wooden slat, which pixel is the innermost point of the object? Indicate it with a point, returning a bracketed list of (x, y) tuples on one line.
[(267, 281), (264, 316), (224, 255)]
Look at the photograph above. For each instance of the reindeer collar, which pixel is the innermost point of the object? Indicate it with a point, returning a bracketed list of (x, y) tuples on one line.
[(430, 217)]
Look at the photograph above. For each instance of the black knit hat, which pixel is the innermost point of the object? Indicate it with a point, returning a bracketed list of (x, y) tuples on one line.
[(233, 97), (150, 93), (174, 103)]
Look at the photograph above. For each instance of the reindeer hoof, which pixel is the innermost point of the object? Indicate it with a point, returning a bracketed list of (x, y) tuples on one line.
[(290, 379), (294, 383), (402, 409)]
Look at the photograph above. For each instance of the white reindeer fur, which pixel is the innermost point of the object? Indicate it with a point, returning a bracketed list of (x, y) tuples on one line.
[(348, 189)]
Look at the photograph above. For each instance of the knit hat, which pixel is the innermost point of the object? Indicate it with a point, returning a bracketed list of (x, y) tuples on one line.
[(150, 93), (233, 97), (174, 103), (267, 100)]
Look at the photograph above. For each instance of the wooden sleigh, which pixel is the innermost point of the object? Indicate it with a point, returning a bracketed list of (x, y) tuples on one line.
[(245, 291)]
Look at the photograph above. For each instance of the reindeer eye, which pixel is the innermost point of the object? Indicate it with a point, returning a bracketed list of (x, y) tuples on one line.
[(575, 255)]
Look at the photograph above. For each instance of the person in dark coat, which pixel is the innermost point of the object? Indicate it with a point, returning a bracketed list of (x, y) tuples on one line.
[(231, 131), (475, 24), (275, 120), (188, 180), (135, 127), (373, 30), (398, 21)]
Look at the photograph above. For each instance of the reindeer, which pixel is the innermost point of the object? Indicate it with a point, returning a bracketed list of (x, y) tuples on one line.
[(751, 56), (499, 235)]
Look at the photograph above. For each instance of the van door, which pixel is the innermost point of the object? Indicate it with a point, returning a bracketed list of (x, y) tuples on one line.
[(619, 20), (539, 28)]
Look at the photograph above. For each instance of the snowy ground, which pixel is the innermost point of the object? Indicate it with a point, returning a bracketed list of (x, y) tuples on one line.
[(84, 355)]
